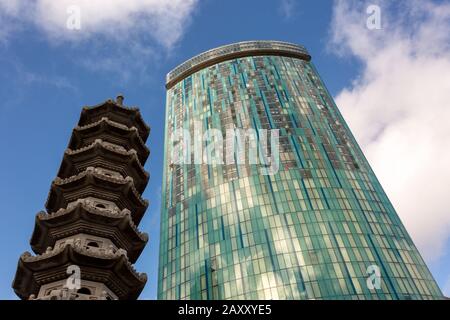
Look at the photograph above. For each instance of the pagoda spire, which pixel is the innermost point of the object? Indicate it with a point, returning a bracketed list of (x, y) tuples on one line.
[(119, 99)]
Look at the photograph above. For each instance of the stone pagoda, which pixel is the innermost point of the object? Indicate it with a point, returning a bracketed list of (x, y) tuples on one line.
[(87, 240)]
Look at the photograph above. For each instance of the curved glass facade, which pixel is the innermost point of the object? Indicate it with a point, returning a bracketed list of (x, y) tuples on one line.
[(321, 227)]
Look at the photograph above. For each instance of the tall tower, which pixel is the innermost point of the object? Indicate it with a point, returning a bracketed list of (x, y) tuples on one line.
[(320, 227), (88, 239)]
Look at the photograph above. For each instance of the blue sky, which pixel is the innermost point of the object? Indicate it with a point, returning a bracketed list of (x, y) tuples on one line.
[(47, 73)]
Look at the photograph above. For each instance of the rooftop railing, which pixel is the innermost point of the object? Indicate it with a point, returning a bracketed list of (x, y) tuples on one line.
[(235, 50)]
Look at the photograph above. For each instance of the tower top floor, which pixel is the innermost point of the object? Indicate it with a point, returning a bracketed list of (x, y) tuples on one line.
[(233, 51)]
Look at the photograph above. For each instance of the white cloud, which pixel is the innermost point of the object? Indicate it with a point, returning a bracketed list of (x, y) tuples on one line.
[(163, 20), (399, 108), (122, 38)]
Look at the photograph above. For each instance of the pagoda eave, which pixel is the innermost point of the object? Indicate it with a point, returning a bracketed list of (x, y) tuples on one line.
[(91, 183), (112, 132), (116, 112), (113, 269), (86, 218), (108, 156)]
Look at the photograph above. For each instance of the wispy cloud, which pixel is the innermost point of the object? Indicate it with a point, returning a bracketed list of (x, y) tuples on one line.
[(17, 78), (287, 9), (398, 107), (25, 77), (133, 61), (59, 82)]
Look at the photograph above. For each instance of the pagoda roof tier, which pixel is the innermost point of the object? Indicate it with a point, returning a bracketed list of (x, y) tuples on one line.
[(84, 217), (106, 155), (94, 183), (129, 116), (109, 267), (112, 132)]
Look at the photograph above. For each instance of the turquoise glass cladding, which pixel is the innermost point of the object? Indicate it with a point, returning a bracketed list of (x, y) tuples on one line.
[(314, 230)]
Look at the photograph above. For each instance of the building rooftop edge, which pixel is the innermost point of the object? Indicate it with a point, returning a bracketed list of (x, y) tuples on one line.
[(232, 51)]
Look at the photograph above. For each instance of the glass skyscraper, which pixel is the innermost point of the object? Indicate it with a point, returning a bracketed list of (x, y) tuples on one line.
[(319, 227)]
